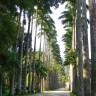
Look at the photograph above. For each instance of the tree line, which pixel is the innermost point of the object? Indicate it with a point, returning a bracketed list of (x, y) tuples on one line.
[(22, 67), (76, 24)]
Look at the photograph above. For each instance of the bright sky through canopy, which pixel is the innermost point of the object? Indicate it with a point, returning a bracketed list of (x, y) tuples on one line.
[(59, 27)]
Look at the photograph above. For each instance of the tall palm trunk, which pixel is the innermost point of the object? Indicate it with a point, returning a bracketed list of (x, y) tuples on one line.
[(92, 9), (43, 81), (39, 77), (27, 54), (79, 50), (72, 67), (16, 50), (45, 50), (21, 56), (30, 60), (18, 36), (74, 70), (86, 72), (40, 44), (33, 73)]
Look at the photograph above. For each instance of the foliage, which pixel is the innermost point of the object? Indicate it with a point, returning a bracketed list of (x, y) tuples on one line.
[(67, 38), (70, 58), (40, 69), (72, 94), (67, 20), (62, 77), (50, 31), (8, 30)]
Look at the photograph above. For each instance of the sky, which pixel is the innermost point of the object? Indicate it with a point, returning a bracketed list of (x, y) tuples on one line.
[(59, 27)]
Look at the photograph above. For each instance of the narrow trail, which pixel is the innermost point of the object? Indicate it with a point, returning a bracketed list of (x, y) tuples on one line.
[(57, 92)]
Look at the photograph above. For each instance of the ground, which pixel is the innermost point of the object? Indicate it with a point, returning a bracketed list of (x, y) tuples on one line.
[(58, 92)]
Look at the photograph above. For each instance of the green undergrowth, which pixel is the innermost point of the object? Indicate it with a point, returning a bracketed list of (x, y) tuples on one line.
[(72, 94)]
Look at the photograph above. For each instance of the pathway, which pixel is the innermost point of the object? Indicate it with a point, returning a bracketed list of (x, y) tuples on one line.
[(58, 92)]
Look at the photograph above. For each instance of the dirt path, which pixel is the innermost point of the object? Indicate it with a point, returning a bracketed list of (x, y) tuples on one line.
[(58, 92)]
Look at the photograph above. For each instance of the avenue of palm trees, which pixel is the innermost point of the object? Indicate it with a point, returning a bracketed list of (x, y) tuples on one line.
[(26, 69)]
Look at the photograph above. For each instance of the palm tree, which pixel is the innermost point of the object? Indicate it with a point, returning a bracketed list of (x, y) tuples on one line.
[(68, 18)]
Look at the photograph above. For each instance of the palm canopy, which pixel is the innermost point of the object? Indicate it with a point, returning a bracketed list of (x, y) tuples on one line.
[(67, 15)]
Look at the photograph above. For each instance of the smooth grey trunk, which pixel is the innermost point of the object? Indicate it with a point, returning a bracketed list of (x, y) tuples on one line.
[(45, 61), (33, 73), (18, 33), (92, 9), (20, 65), (79, 50), (43, 57), (27, 54), (30, 58), (75, 78), (16, 50), (39, 82), (40, 44), (74, 71), (86, 71)]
